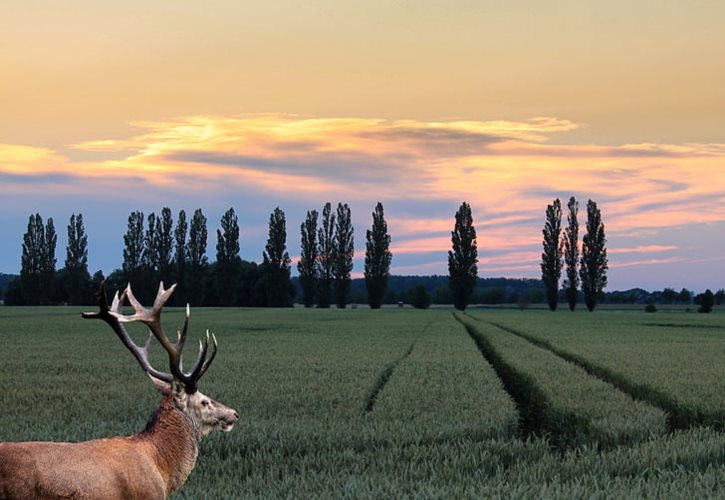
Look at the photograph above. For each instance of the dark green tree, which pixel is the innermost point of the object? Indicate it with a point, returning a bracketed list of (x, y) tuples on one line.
[(462, 259), (252, 287), (325, 257), (377, 258), (98, 278), (571, 254), (684, 296), (149, 280), (593, 270), (47, 271), (32, 262), (669, 295), (180, 256), (307, 265), (720, 297), (78, 279), (14, 295), (418, 297), (705, 301), (164, 243), (276, 262), (343, 252), (551, 259), (197, 261), (133, 251), (228, 263)]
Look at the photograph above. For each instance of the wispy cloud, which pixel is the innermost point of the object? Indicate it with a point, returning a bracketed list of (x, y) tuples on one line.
[(646, 262), (643, 249)]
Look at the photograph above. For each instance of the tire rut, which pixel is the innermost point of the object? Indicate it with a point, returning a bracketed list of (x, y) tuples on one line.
[(387, 372)]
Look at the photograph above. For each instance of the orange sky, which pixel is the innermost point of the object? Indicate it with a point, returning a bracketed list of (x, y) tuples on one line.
[(108, 108)]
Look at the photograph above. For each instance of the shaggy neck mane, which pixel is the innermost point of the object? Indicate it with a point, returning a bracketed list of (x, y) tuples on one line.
[(173, 440)]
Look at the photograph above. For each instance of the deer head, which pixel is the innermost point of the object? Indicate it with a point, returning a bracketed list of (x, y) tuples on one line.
[(179, 386)]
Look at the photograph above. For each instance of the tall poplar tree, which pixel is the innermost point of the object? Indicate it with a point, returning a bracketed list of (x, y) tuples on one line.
[(78, 279), (551, 261), (325, 257), (47, 271), (276, 262), (196, 258), (307, 265), (462, 258), (164, 243), (593, 270), (180, 257), (377, 258), (31, 261), (228, 263), (133, 241), (571, 254), (150, 269), (343, 252)]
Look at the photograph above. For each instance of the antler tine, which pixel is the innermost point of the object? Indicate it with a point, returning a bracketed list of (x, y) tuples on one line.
[(162, 296), (117, 308), (200, 358), (181, 338), (117, 303), (202, 363), (128, 293), (207, 363), (113, 318)]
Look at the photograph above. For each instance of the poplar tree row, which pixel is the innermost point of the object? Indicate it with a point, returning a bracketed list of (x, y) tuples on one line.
[(158, 249), (327, 254), (588, 270), (39, 282), (154, 255)]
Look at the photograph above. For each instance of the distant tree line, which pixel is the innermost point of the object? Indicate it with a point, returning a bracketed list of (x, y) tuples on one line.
[(515, 292), (158, 249)]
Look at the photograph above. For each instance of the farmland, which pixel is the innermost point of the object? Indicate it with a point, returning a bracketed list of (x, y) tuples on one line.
[(403, 403)]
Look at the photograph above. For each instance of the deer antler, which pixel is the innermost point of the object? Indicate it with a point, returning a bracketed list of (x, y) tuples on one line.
[(152, 319)]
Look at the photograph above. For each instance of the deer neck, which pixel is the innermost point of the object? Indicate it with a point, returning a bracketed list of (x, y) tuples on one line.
[(172, 437)]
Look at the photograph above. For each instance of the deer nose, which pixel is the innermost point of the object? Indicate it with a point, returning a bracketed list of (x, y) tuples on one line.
[(236, 415)]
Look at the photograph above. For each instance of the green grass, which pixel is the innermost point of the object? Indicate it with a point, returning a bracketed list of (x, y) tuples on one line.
[(440, 424)]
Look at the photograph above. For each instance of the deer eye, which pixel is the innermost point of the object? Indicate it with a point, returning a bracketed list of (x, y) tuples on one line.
[(205, 402)]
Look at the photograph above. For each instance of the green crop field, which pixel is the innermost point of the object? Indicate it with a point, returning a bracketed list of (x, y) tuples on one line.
[(401, 403)]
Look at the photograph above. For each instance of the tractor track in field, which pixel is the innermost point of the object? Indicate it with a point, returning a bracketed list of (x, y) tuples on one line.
[(387, 372), (529, 399), (678, 417)]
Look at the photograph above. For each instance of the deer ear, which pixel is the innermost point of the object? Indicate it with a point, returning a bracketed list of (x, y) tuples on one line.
[(163, 387)]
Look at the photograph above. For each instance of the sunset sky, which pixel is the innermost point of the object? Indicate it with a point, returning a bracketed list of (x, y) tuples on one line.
[(110, 107)]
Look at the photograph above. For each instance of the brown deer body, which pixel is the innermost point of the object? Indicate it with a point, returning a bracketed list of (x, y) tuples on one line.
[(149, 465)]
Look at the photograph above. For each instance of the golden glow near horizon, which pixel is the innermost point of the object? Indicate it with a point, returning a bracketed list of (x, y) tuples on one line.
[(419, 104)]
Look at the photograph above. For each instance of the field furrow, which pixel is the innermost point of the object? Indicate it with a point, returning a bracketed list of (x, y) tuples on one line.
[(384, 377), (674, 364), (559, 398), (444, 389)]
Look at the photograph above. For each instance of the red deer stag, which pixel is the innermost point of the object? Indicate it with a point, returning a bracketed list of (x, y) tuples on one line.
[(150, 464)]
